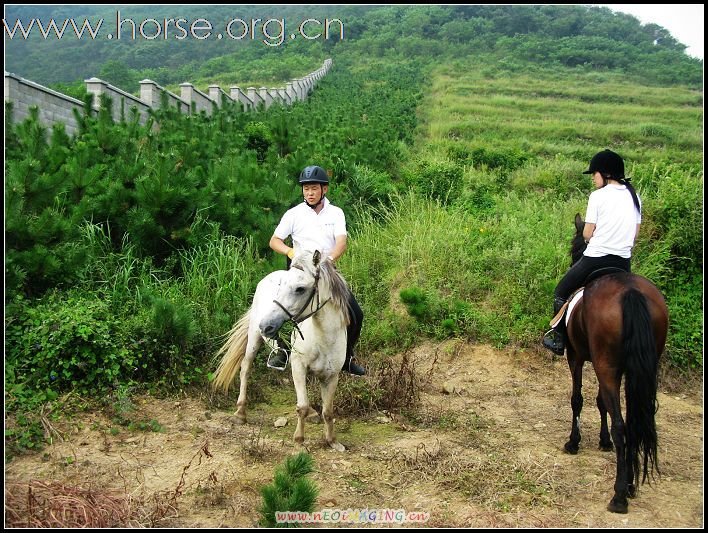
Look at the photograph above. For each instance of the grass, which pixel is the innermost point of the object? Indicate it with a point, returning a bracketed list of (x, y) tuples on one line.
[(494, 180), (565, 114)]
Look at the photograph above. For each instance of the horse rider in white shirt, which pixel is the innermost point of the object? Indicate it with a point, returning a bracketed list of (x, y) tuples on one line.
[(317, 224)]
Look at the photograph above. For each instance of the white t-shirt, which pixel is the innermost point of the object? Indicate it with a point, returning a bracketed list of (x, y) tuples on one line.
[(612, 210), (310, 230)]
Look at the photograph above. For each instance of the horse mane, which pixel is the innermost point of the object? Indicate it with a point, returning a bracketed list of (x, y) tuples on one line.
[(338, 287)]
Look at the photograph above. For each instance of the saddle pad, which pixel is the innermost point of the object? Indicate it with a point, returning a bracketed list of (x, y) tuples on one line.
[(573, 301)]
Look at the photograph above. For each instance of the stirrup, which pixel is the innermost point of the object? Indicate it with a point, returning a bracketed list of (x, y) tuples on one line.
[(354, 369), (550, 341), (276, 362)]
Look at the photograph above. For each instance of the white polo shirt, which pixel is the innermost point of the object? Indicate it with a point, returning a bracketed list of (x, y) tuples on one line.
[(612, 210), (310, 230)]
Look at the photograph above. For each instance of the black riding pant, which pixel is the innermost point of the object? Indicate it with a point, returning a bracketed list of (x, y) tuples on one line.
[(354, 328), (575, 277)]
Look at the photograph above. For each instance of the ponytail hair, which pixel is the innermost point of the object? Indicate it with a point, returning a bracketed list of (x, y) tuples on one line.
[(625, 181), (630, 188)]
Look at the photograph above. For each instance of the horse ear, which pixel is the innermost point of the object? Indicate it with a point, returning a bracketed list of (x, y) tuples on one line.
[(579, 222), (316, 257)]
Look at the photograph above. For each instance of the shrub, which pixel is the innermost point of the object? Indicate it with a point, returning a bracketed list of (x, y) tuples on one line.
[(258, 138), (66, 342), (438, 178)]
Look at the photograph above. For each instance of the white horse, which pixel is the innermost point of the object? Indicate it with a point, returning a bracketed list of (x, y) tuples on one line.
[(314, 296)]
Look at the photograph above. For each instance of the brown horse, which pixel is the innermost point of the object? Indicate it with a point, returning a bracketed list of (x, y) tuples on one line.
[(620, 326)]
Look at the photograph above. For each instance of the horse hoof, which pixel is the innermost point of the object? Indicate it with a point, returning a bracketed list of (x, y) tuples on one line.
[(606, 447), (239, 420), (338, 446), (570, 448), (617, 506)]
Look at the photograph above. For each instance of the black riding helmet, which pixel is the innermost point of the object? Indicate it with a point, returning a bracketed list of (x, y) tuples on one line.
[(607, 163), (314, 174)]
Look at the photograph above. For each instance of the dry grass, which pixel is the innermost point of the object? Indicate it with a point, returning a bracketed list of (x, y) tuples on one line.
[(256, 446), (52, 504), (40, 504), (391, 386), (495, 481)]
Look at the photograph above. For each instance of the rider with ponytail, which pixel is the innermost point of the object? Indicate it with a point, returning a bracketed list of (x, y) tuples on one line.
[(612, 221)]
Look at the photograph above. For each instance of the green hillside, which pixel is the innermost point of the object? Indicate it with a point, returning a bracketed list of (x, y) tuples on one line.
[(456, 137)]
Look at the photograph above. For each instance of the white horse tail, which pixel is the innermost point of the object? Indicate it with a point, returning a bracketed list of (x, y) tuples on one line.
[(233, 352)]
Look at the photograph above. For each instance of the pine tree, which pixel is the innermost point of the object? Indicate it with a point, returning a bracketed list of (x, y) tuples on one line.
[(290, 490)]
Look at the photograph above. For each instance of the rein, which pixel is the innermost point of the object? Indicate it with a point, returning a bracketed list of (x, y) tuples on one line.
[(298, 317)]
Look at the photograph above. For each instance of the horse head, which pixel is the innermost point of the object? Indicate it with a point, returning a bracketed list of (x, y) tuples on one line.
[(295, 294), (578, 243)]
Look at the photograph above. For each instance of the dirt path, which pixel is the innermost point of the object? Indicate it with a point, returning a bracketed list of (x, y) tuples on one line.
[(488, 453)]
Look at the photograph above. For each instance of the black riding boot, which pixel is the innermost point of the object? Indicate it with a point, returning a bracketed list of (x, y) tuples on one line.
[(554, 339), (351, 367), (353, 332)]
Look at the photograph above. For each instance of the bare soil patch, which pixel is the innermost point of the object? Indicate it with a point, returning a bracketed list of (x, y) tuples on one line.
[(485, 449)]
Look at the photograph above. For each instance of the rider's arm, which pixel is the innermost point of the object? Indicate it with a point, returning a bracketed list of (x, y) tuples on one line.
[(340, 245), (588, 230), (279, 246)]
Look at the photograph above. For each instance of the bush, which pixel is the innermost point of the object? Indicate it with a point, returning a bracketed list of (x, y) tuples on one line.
[(656, 132), (67, 342), (505, 159), (438, 178), (685, 340), (258, 138), (680, 214)]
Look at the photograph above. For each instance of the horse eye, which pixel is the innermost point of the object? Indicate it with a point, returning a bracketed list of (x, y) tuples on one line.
[(300, 290)]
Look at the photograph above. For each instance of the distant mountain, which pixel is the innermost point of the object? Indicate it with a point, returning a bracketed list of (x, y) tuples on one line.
[(176, 43)]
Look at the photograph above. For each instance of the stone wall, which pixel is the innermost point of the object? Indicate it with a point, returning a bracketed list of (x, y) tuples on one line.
[(53, 106), (56, 107)]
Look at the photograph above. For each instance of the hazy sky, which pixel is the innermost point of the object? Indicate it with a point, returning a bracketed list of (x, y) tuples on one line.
[(684, 21)]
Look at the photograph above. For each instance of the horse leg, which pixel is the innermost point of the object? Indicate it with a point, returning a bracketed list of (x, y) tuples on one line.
[(303, 405), (610, 397), (254, 343), (327, 388), (605, 440), (576, 401)]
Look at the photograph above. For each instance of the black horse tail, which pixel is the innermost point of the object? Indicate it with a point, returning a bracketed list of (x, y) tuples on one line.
[(640, 383)]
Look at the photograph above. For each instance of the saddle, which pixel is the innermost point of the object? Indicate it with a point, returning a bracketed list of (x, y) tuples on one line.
[(569, 303), (572, 300)]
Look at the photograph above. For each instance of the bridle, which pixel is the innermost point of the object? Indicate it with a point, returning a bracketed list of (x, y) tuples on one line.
[(298, 317)]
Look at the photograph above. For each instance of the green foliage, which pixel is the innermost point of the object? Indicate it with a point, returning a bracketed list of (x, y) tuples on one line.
[(291, 490), (417, 303), (258, 138), (679, 212), (66, 342), (506, 159), (685, 340), (438, 178)]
